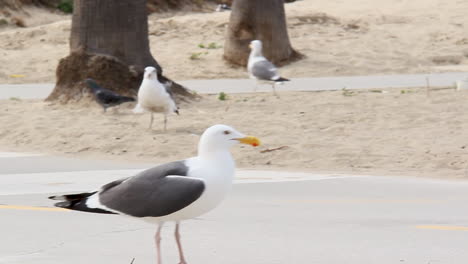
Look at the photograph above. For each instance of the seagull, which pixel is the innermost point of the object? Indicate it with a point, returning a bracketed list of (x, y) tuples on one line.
[(155, 97), (260, 68), (174, 191), (222, 7), (106, 98)]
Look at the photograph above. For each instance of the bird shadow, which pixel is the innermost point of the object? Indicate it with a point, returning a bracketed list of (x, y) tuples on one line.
[(179, 131)]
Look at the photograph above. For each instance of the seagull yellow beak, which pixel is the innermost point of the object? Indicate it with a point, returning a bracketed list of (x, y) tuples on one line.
[(249, 140), (250, 46)]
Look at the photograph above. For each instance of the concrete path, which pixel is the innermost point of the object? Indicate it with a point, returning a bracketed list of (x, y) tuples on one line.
[(38, 91), (269, 217)]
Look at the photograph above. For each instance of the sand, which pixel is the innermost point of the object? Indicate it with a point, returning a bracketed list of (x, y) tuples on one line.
[(391, 132), (353, 37), (396, 132)]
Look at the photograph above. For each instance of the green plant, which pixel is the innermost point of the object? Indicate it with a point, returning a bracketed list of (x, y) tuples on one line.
[(347, 92), (197, 55), (15, 98), (66, 6), (213, 45), (406, 91), (222, 96)]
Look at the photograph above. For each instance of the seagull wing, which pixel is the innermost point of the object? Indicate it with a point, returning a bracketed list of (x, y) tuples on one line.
[(265, 70), (158, 191)]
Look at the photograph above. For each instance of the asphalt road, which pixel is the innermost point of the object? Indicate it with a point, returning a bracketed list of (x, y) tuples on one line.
[(269, 217)]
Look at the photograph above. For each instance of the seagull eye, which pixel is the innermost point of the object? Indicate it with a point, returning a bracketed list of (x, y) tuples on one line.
[(227, 132)]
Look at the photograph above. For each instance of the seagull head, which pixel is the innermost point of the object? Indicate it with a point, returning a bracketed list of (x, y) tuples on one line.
[(221, 138), (256, 45), (150, 73)]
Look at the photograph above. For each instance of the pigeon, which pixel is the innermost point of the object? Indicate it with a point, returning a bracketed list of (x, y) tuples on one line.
[(106, 98), (260, 68), (155, 97), (171, 192)]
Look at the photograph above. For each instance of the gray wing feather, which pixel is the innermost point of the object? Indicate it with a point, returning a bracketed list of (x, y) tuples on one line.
[(264, 70), (152, 192), (167, 85)]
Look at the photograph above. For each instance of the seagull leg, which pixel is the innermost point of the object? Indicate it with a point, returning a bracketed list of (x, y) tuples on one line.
[(165, 123), (274, 89), (157, 239), (151, 121), (179, 244)]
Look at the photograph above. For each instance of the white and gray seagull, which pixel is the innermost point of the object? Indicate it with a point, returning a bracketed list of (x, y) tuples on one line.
[(260, 68), (175, 191), (154, 97)]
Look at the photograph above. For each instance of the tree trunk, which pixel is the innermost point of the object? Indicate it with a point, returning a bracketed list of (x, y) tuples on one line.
[(115, 28), (109, 43), (264, 20)]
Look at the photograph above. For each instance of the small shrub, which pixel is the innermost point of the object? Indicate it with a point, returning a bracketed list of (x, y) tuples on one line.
[(3, 22), (347, 92), (66, 6), (213, 45), (222, 96), (196, 55)]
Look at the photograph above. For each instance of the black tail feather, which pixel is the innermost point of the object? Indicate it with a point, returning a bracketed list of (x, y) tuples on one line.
[(124, 99), (281, 79), (77, 202), (71, 197)]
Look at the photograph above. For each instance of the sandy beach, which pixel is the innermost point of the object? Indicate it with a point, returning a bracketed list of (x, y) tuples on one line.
[(377, 132), (401, 132), (358, 37)]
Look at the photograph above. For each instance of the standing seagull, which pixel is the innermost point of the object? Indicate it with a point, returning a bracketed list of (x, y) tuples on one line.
[(106, 98), (173, 191), (155, 97), (260, 68)]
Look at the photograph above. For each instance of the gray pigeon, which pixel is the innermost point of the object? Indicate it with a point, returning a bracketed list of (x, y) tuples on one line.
[(106, 98)]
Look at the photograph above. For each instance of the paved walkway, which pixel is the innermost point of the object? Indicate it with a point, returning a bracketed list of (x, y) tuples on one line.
[(269, 217), (31, 91)]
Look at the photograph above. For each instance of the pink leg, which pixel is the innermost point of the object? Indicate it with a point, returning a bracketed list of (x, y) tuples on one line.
[(157, 239), (179, 245)]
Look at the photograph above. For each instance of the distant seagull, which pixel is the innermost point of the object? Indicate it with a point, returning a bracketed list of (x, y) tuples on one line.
[(174, 191), (154, 97), (222, 7), (260, 68), (106, 98)]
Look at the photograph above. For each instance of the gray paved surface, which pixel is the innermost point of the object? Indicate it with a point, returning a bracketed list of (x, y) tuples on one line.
[(269, 217), (31, 91)]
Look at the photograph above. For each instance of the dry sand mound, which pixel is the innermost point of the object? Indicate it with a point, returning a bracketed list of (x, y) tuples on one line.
[(397, 132), (357, 37)]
